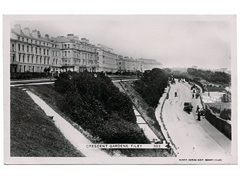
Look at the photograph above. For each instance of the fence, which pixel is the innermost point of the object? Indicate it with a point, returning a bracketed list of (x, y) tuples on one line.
[(222, 125)]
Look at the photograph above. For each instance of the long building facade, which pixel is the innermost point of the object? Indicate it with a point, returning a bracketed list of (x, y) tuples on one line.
[(32, 52)]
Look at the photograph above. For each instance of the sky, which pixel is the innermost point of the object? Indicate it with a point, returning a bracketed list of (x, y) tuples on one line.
[(175, 41)]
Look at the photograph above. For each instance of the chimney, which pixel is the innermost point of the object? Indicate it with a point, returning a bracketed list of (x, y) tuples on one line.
[(35, 34), (76, 38), (70, 36), (26, 31), (83, 39), (46, 36), (39, 34), (17, 28)]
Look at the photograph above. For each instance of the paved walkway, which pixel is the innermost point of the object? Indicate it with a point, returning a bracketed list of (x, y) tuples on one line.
[(78, 140)]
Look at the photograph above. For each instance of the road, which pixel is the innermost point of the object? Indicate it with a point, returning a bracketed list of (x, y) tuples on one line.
[(192, 138)]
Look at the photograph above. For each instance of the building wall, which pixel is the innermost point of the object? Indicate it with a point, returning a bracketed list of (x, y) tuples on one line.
[(121, 66), (149, 64), (29, 53), (77, 54), (107, 60)]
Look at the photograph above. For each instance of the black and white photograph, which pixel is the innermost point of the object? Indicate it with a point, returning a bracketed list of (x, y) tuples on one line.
[(120, 89)]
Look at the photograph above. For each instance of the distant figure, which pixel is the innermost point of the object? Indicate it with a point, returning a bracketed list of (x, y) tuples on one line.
[(197, 108), (199, 115), (193, 95), (175, 94), (167, 96), (197, 95)]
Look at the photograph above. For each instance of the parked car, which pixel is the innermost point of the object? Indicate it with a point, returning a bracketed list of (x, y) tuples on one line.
[(187, 107)]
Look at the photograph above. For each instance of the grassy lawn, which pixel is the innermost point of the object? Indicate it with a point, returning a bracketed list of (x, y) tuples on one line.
[(33, 134)]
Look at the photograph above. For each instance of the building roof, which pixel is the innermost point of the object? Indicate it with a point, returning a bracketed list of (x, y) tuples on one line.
[(40, 38)]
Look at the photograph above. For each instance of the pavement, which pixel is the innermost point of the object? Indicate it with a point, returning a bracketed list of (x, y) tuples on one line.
[(192, 138), (75, 137)]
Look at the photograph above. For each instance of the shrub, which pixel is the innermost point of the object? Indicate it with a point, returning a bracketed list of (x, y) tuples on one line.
[(152, 86), (99, 107), (226, 114)]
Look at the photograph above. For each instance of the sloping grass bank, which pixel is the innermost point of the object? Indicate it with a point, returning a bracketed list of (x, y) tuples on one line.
[(52, 98), (32, 133)]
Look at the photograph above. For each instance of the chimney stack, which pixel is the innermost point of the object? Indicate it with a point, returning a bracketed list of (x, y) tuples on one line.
[(17, 28), (35, 34), (70, 36), (46, 36), (26, 31)]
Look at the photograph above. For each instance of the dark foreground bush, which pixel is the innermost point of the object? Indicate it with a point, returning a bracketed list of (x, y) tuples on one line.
[(99, 107), (152, 86), (226, 114), (28, 75)]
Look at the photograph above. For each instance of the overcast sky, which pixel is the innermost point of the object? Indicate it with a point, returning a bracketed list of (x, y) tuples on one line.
[(175, 42)]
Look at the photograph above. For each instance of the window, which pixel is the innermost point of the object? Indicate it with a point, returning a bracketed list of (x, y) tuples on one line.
[(19, 48), (40, 50), (27, 48), (13, 47), (32, 58), (36, 50), (22, 47), (19, 57), (44, 51)]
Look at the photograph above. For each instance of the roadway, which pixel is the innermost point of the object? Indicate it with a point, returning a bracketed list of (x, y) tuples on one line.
[(193, 138)]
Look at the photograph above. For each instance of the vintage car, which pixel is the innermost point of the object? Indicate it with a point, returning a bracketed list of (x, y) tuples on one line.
[(187, 107)]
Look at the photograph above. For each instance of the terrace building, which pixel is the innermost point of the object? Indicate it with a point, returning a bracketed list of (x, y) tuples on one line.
[(29, 51), (121, 66), (107, 60), (131, 65), (32, 52), (77, 55), (149, 64)]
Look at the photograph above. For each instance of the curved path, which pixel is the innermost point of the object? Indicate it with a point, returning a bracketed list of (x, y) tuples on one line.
[(75, 137), (193, 138)]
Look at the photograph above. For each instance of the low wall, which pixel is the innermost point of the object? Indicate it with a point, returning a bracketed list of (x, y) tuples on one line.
[(222, 125)]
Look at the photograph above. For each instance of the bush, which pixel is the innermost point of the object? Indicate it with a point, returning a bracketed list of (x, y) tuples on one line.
[(152, 86), (99, 107), (214, 77), (226, 114), (28, 75)]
